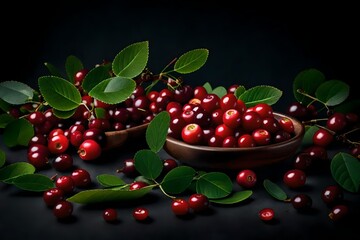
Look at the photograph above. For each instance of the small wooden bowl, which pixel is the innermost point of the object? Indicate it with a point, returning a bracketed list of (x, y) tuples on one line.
[(235, 158), (115, 139)]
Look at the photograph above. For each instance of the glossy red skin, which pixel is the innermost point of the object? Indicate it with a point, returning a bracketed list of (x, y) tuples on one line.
[(36, 118), (52, 196), (58, 144), (217, 117), (322, 138), (251, 121), (223, 131), (198, 202), (338, 212), (215, 141), (63, 162), (180, 207), (229, 142), (79, 77), (228, 101), (246, 140), (294, 178), (210, 102), (232, 118), (140, 214), (287, 125), (110, 215), (81, 178), (266, 214), (332, 194), (89, 150), (192, 134), (66, 184), (200, 92), (63, 209), (336, 122), (264, 110), (137, 185), (261, 137), (246, 178), (270, 124)]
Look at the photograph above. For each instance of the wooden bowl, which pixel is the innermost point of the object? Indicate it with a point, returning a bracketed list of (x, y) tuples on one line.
[(235, 158), (115, 139)]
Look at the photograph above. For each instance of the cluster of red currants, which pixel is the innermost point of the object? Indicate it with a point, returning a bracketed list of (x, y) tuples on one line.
[(203, 118)]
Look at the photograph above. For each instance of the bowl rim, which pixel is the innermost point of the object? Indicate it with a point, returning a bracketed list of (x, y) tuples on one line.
[(298, 134)]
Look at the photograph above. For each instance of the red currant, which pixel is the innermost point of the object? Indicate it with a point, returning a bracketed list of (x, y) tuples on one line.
[(63, 162), (246, 178), (294, 178), (246, 140), (137, 185), (228, 101), (36, 118), (223, 131), (63, 209), (251, 121), (110, 215), (266, 214), (232, 118), (58, 144), (322, 137), (338, 212), (336, 122), (79, 77), (192, 134), (180, 207), (198, 202), (140, 214), (81, 177), (332, 194), (169, 164), (89, 150), (65, 183), (264, 110), (261, 137), (53, 196), (301, 202), (210, 102), (287, 125)]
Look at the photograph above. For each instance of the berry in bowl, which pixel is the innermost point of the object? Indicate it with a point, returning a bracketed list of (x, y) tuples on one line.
[(221, 133)]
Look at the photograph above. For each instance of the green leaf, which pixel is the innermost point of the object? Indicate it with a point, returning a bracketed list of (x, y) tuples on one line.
[(178, 179), (157, 131), (308, 136), (261, 94), (214, 185), (219, 91), (208, 87), (53, 70), (274, 190), (332, 92), (63, 114), (191, 61), (33, 182), (143, 179), (72, 66), (8, 173), (15, 93), (2, 158), (18, 132), (345, 170), (233, 198), (239, 90), (113, 90), (307, 81), (5, 119), (94, 77), (132, 60), (108, 180), (4, 106), (100, 112), (59, 93), (148, 163), (108, 195)]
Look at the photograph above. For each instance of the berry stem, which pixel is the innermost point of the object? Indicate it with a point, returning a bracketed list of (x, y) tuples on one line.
[(314, 120), (311, 97), (168, 65)]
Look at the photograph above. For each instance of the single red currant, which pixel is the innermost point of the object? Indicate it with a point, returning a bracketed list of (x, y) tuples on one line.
[(89, 150), (336, 122), (180, 207), (110, 215), (137, 185), (63, 209), (192, 134), (140, 214), (287, 125), (53, 196), (232, 118), (65, 183), (246, 140), (266, 214), (301, 202), (168, 165), (198, 202), (246, 178), (81, 178), (322, 137), (58, 144), (338, 212), (63, 162), (294, 178), (261, 137), (332, 194)]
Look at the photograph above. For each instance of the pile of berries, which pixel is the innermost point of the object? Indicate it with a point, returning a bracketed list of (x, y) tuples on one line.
[(203, 118)]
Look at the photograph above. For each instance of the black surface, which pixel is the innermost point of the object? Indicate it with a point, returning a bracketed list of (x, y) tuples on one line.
[(250, 45)]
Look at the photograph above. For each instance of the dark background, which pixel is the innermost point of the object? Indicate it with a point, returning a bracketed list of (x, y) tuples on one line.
[(249, 44)]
